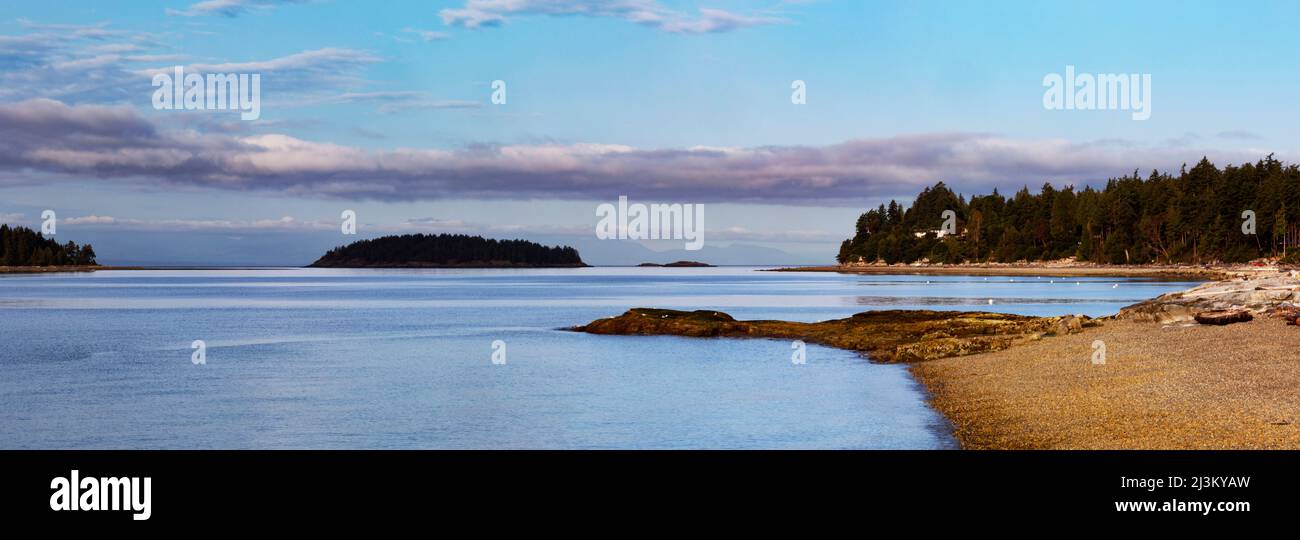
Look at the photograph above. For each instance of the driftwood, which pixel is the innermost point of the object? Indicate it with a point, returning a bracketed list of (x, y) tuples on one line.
[(1222, 317)]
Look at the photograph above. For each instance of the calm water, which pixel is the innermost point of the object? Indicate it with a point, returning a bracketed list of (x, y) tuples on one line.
[(314, 358)]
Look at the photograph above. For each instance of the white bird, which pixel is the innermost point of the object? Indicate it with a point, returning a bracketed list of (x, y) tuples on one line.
[(1115, 286), (990, 301)]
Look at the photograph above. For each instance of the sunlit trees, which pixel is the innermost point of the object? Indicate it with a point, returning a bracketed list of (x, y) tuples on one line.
[(1192, 217)]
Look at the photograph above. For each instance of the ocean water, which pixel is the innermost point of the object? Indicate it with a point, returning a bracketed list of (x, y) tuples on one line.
[(375, 359)]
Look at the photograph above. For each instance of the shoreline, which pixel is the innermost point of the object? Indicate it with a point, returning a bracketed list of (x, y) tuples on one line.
[(1160, 382), (57, 269), (1208, 273)]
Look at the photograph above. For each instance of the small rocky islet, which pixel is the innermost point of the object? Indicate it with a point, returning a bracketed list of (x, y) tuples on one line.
[(891, 336), (884, 336)]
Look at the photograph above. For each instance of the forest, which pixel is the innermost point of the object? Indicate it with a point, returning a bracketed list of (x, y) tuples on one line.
[(20, 246), (1202, 215), (451, 250)]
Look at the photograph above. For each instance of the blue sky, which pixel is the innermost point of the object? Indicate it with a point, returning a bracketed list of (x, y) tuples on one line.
[(384, 108)]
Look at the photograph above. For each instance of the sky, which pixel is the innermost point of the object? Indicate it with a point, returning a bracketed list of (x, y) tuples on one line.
[(386, 108)]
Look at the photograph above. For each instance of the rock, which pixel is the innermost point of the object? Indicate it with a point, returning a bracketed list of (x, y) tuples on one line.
[(1222, 317), (886, 336), (1069, 324), (1159, 312), (1288, 314), (1269, 296), (1256, 295)]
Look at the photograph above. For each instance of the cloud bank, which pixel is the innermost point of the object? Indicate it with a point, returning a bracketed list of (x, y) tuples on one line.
[(228, 8), (119, 144), (487, 13)]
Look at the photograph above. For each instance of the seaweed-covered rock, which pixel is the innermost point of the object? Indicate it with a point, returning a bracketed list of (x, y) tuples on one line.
[(886, 336)]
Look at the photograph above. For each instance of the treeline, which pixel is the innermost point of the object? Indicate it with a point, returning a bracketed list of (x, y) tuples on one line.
[(20, 246), (1194, 217), (414, 250)]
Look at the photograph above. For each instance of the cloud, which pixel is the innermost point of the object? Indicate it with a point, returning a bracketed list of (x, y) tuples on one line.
[(99, 30), (286, 223), (117, 144), (315, 61), (487, 13), (90, 220), (306, 73), (228, 8), (11, 218), (98, 64), (55, 63), (429, 225), (1239, 134), (395, 101), (427, 35), (25, 51), (76, 63)]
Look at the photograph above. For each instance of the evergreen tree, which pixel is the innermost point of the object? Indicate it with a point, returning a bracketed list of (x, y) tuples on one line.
[(1193, 217), (20, 246)]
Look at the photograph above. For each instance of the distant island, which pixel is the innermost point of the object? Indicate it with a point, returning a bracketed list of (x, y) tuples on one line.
[(448, 251), (25, 250), (678, 264)]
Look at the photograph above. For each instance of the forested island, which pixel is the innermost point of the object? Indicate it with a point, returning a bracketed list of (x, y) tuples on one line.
[(23, 247), (448, 251), (1199, 216)]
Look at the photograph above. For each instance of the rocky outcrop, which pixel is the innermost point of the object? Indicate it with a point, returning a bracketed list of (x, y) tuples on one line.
[(1223, 317), (885, 336), (678, 264), (1261, 295)]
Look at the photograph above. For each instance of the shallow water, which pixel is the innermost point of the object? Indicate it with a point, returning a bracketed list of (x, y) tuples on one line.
[(326, 358)]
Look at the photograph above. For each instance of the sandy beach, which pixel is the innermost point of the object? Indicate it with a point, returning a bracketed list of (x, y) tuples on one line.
[(1161, 387)]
